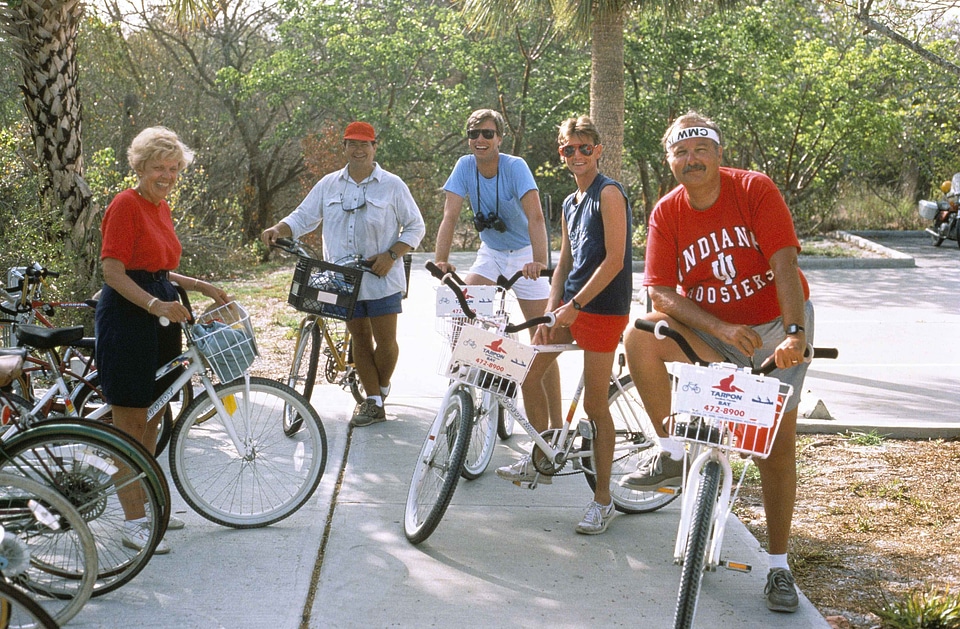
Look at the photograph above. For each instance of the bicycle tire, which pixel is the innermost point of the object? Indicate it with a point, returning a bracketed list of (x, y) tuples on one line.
[(19, 611), (437, 471), (303, 370), (698, 542), (61, 567), (89, 463), (87, 399), (505, 424), (352, 378), (268, 482), (633, 430), (483, 438)]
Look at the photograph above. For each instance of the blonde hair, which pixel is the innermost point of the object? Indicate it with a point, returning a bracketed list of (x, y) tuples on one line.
[(691, 119), (578, 126), (158, 143)]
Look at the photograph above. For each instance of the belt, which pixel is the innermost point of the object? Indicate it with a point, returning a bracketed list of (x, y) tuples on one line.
[(148, 276)]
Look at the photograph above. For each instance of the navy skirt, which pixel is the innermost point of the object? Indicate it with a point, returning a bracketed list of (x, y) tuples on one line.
[(132, 345)]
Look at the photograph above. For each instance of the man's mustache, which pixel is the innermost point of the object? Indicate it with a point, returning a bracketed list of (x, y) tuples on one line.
[(693, 167)]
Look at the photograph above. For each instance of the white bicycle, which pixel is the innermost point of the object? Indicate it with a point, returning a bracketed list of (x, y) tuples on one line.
[(717, 409)]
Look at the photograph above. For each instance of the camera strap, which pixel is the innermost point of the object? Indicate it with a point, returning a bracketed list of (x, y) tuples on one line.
[(479, 209)]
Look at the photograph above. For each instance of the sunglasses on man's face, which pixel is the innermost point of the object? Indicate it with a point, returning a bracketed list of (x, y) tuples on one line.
[(570, 149), (488, 134)]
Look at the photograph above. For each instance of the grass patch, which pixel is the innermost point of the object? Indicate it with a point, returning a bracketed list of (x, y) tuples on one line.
[(858, 438), (923, 609)]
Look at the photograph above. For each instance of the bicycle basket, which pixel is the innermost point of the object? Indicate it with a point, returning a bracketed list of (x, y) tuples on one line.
[(225, 338), (727, 407), (489, 361), (325, 289)]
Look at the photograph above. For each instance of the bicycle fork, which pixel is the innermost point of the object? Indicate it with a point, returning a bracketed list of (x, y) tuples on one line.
[(722, 511)]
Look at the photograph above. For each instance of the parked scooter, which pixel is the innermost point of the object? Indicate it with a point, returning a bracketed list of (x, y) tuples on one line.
[(943, 213)]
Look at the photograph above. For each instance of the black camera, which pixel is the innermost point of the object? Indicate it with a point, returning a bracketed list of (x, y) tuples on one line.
[(492, 221)]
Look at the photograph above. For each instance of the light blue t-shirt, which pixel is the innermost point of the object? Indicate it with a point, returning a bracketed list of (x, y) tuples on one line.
[(513, 179)]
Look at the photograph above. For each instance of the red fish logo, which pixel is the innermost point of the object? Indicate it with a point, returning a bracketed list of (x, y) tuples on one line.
[(726, 385), (496, 346)]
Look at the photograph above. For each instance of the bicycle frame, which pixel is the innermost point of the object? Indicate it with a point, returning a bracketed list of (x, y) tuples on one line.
[(192, 365)]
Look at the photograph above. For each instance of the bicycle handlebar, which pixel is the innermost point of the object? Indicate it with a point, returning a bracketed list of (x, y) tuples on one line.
[(662, 330), (508, 283)]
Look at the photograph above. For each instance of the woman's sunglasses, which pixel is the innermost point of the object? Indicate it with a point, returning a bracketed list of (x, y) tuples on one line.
[(570, 149), (488, 134)]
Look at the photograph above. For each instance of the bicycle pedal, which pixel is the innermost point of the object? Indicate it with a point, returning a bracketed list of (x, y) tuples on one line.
[(673, 491), (585, 428), (525, 484), (737, 566)]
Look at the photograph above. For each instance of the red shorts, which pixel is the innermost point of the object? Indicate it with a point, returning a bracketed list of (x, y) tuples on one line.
[(598, 333)]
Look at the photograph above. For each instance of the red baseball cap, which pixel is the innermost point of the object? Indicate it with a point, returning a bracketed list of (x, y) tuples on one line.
[(362, 131)]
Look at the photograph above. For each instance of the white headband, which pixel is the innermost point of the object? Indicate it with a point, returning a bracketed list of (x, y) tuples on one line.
[(693, 132)]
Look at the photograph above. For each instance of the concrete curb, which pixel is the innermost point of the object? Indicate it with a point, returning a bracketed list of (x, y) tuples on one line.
[(891, 258)]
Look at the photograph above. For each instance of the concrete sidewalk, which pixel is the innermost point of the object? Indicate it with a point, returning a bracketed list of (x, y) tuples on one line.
[(507, 557)]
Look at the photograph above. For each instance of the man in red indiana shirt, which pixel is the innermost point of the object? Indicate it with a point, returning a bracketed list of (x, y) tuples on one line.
[(721, 269)]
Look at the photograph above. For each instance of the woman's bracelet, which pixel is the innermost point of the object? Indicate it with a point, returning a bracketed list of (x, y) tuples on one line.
[(151, 302)]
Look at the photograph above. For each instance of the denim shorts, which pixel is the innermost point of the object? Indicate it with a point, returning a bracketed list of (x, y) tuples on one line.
[(369, 308)]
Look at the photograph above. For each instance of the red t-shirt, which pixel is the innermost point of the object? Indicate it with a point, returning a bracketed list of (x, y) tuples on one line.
[(140, 234), (719, 256)]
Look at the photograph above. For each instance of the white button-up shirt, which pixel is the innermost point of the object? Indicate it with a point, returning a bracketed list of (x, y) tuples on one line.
[(388, 215)]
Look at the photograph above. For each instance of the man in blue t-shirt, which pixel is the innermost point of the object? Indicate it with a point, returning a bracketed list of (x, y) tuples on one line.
[(506, 211)]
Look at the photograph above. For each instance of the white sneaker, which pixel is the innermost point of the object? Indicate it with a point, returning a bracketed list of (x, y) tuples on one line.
[(523, 471), (175, 523), (137, 537), (597, 518)]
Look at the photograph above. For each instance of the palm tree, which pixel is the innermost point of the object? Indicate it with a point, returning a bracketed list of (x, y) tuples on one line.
[(602, 23), (43, 34)]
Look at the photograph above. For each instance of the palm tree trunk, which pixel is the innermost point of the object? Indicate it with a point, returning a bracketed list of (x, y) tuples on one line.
[(606, 86), (44, 34)]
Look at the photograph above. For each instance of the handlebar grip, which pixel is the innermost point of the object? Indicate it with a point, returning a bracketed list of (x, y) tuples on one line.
[(825, 352), (548, 319), (283, 242), (505, 283), (434, 269)]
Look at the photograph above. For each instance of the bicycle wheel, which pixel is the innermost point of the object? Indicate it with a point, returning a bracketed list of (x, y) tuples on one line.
[(19, 611), (92, 465), (437, 471), (270, 476), (303, 370), (352, 378), (698, 541), (47, 551), (505, 423), (87, 399), (483, 438), (633, 437)]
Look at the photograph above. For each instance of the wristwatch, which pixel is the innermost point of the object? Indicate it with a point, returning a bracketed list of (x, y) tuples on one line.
[(393, 254), (793, 328), (576, 304)]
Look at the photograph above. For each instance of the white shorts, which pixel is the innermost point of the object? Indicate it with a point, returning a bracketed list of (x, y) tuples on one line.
[(491, 264)]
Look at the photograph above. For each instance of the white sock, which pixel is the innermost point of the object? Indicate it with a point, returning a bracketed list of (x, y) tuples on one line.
[(385, 391), (133, 524), (377, 399), (672, 447), (779, 561)]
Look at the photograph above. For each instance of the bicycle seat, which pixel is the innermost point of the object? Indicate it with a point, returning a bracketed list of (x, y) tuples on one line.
[(48, 338)]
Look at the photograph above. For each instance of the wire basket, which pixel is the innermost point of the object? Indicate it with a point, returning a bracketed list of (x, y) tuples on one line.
[(488, 360), (225, 338), (325, 289), (488, 302), (727, 407)]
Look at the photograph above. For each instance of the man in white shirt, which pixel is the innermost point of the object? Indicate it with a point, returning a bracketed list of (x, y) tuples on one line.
[(369, 212)]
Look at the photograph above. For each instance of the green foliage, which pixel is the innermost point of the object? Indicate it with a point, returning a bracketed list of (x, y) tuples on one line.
[(872, 438), (924, 609)]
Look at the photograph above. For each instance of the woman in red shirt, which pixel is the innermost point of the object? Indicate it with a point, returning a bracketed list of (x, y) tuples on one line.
[(139, 253)]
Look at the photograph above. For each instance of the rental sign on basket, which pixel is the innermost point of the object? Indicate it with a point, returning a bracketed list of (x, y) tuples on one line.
[(725, 393), (480, 349), (481, 299)]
